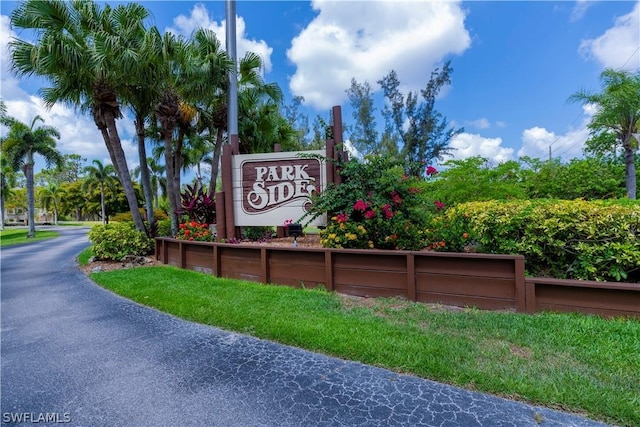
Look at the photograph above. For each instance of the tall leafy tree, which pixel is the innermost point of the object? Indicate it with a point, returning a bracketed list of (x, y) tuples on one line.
[(51, 198), (69, 171), (422, 132), (101, 177), (617, 119), (7, 182), (75, 200), (87, 54), (364, 135), (20, 145), (297, 120)]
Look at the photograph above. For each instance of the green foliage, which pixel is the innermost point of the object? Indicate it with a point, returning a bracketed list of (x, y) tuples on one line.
[(364, 136), (376, 194), (591, 178), (577, 239), (122, 217), (115, 241), (257, 232), (164, 228), (127, 217), (451, 232), (420, 131), (474, 179), (616, 119)]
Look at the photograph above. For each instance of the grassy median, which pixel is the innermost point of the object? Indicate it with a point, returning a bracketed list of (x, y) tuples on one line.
[(17, 236), (577, 363)]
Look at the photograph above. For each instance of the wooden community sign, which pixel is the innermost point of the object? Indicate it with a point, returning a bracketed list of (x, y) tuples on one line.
[(271, 189)]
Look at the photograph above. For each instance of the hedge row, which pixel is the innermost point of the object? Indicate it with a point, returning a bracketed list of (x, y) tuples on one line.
[(590, 240)]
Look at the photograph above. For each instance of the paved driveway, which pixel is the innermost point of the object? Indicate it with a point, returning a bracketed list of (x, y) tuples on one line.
[(74, 353)]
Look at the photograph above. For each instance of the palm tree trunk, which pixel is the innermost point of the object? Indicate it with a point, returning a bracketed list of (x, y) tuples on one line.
[(2, 210), (55, 213), (144, 169), (103, 210), (215, 162), (169, 164), (31, 205), (630, 169), (177, 168), (123, 171), (3, 187)]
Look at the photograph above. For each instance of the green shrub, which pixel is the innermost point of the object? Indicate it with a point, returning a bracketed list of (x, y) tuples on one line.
[(164, 228), (590, 240), (158, 214), (122, 217), (257, 233), (451, 232), (117, 240)]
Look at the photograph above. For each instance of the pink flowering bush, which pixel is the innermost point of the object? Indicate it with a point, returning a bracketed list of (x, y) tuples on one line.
[(376, 206)]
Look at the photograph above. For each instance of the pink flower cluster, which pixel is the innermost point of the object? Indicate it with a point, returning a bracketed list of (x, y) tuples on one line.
[(342, 218), (430, 171)]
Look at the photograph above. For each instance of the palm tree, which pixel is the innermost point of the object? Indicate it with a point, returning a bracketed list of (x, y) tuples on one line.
[(102, 177), (142, 94), (173, 112), (20, 145), (617, 119), (7, 182), (157, 179), (6, 172), (50, 197), (87, 54), (207, 81)]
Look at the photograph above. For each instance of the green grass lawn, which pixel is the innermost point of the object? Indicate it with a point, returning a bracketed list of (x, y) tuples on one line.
[(577, 363), (19, 235)]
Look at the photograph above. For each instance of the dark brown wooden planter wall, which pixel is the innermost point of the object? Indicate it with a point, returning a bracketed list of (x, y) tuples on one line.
[(485, 281)]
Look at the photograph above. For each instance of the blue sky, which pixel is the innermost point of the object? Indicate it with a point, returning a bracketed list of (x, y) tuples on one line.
[(515, 63)]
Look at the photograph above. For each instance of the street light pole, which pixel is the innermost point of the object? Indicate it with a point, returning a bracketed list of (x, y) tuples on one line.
[(232, 93)]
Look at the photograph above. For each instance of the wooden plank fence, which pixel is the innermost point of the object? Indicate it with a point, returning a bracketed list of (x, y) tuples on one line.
[(485, 281)]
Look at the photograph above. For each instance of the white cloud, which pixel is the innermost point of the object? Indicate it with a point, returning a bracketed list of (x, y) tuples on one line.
[(365, 40), (481, 123), (618, 46), (468, 145), (199, 18), (579, 9), (536, 142)]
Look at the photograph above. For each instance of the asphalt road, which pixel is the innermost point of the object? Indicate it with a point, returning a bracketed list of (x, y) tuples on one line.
[(76, 354)]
